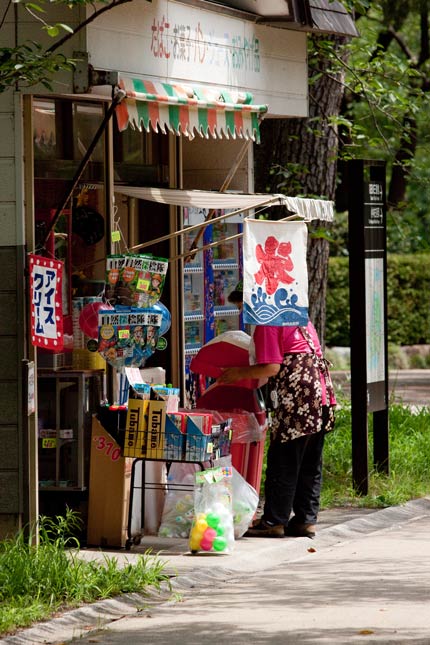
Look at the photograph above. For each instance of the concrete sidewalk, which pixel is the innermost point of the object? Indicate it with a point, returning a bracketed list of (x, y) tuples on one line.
[(365, 578)]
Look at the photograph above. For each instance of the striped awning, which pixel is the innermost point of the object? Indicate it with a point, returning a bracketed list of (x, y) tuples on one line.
[(187, 111)]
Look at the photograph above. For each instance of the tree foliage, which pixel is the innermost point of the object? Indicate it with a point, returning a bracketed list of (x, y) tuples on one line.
[(386, 110), (384, 81), (29, 63)]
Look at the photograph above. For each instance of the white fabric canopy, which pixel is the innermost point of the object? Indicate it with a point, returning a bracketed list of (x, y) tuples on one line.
[(309, 209)]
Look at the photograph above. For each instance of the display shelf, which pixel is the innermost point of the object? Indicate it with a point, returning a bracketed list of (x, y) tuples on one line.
[(192, 348), (193, 316), (224, 264), (66, 399), (221, 311), (193, 269)]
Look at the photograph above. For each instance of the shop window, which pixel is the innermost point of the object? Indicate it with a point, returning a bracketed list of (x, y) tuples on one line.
[(141, 158), (63, 130)]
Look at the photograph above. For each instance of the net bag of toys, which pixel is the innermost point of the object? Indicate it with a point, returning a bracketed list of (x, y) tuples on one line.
[(212, 528)]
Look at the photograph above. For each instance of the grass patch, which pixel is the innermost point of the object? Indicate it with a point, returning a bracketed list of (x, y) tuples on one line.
[(409, 451), (37, 581)]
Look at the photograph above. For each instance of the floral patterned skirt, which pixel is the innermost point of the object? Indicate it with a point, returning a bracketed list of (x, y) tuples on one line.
[(298, 394)]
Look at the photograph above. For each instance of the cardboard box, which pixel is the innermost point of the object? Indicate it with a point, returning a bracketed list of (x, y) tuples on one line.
[(156, 430), (174, 437), (109, 490), (199, 446), (136, 429)]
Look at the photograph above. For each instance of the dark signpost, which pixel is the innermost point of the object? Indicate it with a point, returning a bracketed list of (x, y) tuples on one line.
[(368, 316)]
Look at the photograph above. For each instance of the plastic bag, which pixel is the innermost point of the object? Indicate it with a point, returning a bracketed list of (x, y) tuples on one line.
[(178, 511), (244, 425), (245, 502), (212, 529)]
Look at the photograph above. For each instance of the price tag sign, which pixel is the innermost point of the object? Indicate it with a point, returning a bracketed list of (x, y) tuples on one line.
[(49, 442)]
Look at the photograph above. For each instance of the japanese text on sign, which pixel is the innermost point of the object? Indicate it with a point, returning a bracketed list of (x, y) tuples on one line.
[(46, 302), (192, 44)]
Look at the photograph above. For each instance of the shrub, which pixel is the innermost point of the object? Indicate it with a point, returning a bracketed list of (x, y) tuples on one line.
[(408, 300)]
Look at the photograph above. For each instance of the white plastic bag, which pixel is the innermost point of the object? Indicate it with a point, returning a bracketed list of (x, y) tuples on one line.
[(245, 502), (178, 511), (212, 528)]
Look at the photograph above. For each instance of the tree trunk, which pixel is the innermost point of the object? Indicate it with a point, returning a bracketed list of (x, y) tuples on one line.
[(301, 155)]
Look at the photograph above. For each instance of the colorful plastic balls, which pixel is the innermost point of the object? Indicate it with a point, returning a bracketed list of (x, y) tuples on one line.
[(220, 543), (201, 525), (209, 534), (89, 318), (212, 520), (194, 545), (206, 545)]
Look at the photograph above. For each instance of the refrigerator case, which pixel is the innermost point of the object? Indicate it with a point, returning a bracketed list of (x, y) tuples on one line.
[(209, 277)]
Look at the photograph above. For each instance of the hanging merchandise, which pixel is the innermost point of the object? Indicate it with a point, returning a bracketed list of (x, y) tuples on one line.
[(135, 280), (128, 338), (87, 223), (275, 289), (166, 318), (89, 317)]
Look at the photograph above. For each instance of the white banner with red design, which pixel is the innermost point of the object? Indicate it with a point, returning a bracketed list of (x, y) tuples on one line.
[(275, 276), (46, 305)]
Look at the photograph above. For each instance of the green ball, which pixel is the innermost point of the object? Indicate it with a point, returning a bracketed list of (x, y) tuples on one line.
[(220, 530), (212, 520), (219, 544)]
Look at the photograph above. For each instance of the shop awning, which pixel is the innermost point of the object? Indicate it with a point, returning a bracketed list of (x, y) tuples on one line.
[(309, 209), (187, 111)]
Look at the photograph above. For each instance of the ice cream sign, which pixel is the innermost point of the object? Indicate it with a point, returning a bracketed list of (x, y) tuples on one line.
[(46, 277)]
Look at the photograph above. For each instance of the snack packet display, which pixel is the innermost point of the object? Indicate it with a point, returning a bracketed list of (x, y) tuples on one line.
[(212, 529), (135, 280), (128, 338), (114, 265)]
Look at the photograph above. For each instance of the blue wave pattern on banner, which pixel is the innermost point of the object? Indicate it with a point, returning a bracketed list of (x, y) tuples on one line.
[(283, 312)]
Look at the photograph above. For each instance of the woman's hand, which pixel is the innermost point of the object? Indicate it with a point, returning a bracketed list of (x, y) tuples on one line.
[(232, 374)]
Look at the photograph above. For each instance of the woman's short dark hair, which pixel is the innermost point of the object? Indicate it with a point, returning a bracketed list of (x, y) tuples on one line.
[(236, 296)]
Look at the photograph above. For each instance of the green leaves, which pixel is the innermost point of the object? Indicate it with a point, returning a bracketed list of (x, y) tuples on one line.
[(54, 30), (29, 64), (37, 580)]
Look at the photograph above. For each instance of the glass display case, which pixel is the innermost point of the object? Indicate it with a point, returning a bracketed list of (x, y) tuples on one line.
[(208, 278)]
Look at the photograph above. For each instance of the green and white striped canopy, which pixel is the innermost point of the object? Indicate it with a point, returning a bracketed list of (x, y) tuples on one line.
[(186, 110)]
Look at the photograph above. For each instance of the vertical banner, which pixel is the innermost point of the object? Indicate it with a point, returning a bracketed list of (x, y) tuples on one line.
[(275, 287), (46, 305)]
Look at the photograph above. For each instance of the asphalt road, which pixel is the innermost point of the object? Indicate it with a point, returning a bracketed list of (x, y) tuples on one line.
[(411, 387)]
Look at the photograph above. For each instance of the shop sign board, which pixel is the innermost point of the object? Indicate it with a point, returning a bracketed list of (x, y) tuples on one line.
[(173, 42), (374, 249), (46, 305), (368, 315)]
